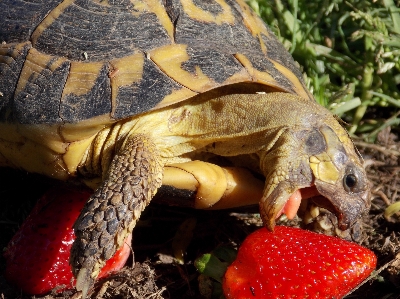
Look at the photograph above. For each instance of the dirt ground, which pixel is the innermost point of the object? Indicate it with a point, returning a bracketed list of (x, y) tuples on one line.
[(156, 274)]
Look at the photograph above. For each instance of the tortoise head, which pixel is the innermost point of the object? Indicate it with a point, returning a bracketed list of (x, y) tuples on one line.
[(322, 157)]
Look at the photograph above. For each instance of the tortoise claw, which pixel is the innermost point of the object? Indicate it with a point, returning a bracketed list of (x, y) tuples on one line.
[(84, 281)]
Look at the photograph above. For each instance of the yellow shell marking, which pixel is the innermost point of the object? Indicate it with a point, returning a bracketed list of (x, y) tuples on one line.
[(253, 23), (299, 88), (82, 77), (199, 14), (175, 97), (156, 7), (7, 55), (170, 58), (139, 7), (127, 70), (257, 76), (49, 19), (34, 65)]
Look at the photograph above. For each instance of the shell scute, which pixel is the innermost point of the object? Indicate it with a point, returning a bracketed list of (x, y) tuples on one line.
[(87, 92), (153, 86), (93, 58), (39, 89), (199, 69), (82, 30), (12, 58), (219, 69), (19, 18), (246, 35)]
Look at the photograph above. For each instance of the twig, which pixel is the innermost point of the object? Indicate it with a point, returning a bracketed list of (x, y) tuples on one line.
[(383, 196), (158, 293), (378, 148)]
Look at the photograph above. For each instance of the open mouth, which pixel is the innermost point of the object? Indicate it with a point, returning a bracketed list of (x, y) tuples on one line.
[(318, 214)]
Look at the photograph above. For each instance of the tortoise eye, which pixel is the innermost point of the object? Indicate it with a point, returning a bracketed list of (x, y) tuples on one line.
[(352, 180)]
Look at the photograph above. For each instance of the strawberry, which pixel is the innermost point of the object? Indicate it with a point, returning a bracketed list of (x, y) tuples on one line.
[(294, 263), (37, 257)]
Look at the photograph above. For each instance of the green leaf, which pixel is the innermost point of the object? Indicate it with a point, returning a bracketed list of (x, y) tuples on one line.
[(208, 264), (346, 106), (394, 13), (225, 253), (392, 209)]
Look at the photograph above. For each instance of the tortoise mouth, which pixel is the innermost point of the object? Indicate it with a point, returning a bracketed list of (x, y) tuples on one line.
[(318, 214), (308, 204), (311, 208)]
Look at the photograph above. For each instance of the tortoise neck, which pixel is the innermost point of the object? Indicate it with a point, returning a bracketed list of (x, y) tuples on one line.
[(229, 125)]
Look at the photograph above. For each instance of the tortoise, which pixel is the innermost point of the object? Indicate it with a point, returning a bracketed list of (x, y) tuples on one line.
[(196, 99)]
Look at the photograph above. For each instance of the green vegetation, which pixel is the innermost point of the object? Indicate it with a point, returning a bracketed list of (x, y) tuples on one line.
[(350, 53)]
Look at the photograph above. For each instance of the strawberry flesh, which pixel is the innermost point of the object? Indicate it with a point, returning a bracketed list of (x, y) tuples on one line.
[(294, 263), (37, 257)]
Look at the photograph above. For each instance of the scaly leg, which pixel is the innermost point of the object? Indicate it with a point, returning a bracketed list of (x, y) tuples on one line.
[(111, 213)]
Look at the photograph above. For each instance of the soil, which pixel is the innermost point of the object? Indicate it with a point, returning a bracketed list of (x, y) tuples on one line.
[(156, 273)]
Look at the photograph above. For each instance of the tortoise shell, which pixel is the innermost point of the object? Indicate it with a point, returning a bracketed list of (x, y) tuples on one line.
[(69, 61), (70, 69)]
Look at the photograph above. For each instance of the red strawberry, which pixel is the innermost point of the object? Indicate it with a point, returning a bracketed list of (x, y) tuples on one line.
[(294, 263), (38, 255)]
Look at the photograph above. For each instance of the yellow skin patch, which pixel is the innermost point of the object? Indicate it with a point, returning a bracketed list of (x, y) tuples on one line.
[(20, 148), (323, 168), (211, 180), (236, 186)]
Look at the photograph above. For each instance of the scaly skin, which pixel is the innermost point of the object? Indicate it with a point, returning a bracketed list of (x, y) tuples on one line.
[(111, 213), (301, 148)]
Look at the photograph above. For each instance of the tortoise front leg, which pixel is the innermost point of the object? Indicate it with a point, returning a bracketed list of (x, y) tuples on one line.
[(204, 185), (111, 213)]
